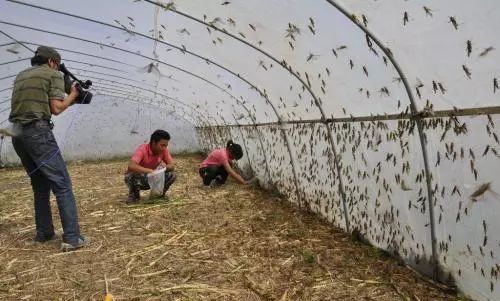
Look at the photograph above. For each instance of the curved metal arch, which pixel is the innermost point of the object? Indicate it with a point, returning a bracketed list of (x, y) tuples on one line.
[(166, 96), (143, 103), (6, 89), (200, 114), (191, 53), (318, 104), (420, 128), (14, 61), (132, 32), (286, 138), (137, 87), (123, 95), (62, 49), (129, 52), (7, 100), (141, 35), (138, 102), (179, 48), (223, 31), (146, 104), (184, 51), (8, 76), (161, 62), (67, 60), (128, 94), (238, 102), (151, 91), (332, 157), (194, 110)]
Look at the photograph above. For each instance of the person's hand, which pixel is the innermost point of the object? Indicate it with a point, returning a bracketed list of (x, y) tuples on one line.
[(74, 90), (252, 181)]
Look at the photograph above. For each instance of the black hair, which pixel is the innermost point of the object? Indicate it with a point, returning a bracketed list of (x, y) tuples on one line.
[(158, 135), (234, 149), (39, 60)]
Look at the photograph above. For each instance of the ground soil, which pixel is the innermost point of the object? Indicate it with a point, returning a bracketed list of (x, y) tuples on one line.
[(227, 243)]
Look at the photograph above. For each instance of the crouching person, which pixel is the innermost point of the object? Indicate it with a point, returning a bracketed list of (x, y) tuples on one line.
[(146, 159), (215, 169)]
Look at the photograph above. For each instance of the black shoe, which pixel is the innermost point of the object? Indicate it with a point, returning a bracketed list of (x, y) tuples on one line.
[(133, 197), (41, 238), (165, 196), (219, 180)]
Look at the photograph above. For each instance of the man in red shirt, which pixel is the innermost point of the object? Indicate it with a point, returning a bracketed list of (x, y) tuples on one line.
[(146, 159)]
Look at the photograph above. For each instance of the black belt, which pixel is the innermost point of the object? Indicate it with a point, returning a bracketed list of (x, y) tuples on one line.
[(38, 123)]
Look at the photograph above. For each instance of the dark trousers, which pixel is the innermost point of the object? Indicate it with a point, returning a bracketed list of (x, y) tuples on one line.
[(213, 172), (42, 159), (136, 182)]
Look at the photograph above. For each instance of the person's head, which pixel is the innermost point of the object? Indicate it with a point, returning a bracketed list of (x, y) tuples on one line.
[(234, 149), (159, 141), (46, 55)]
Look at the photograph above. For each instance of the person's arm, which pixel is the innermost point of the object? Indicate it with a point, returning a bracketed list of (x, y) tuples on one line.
[(135, 167), (233, 173), (169, 166), (168, 161), (58, 105)]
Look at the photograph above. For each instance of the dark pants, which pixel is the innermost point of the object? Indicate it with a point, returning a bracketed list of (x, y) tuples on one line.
[(136, 182), (42, 159), (213, 172)]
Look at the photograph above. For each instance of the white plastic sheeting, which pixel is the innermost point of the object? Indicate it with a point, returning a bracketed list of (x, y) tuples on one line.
[(112, 128), (321, 109)]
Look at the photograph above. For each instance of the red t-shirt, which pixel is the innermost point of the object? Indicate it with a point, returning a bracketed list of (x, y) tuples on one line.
[(217, 157), (144, 157)]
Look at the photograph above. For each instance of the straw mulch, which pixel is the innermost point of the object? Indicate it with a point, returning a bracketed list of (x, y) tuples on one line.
[(228, 243)]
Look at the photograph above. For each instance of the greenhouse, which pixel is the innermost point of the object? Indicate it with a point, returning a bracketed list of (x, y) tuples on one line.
[(366, 133)]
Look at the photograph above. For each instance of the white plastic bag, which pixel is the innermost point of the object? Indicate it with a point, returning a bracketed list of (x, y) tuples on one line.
[(9, 130), (156, 181)]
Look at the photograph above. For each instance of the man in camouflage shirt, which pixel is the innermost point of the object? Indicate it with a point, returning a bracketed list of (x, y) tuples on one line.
[(38, 93)]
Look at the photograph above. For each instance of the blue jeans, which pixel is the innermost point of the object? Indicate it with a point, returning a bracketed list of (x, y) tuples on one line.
[(42, 159)]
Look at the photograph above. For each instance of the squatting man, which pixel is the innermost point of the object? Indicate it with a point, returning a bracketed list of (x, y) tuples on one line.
[(147, 158)]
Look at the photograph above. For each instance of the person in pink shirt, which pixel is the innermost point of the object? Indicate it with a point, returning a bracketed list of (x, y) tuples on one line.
[(215, 169), (146, 159)]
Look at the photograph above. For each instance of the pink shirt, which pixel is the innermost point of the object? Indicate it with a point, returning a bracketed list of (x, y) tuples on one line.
[(144, 157), (217, 157)]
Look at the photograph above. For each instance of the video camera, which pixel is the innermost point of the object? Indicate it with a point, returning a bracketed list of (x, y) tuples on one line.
[(84, 97)]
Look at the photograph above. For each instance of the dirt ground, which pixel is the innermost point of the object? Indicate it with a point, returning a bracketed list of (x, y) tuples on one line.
[(228, 243)]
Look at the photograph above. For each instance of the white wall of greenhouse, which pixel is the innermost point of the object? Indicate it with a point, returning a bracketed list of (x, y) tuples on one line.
[(112, 127)]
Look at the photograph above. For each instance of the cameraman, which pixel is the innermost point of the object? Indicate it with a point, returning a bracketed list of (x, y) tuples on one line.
[(38, 93)]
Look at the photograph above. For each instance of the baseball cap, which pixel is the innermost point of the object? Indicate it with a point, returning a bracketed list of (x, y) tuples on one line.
[(48, 53)]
